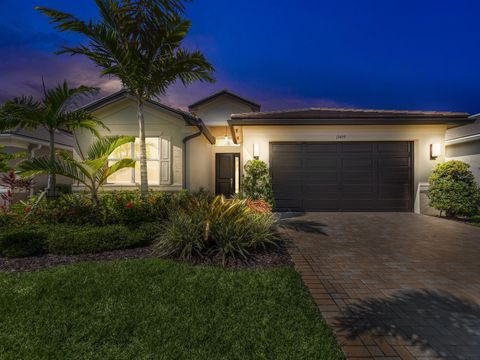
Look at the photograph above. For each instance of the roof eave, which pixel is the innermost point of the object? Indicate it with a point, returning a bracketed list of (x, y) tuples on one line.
[(453, 121)]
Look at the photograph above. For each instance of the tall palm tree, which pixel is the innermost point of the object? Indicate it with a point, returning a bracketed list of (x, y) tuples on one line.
[(92, 171), (139, 42), (53, 112)]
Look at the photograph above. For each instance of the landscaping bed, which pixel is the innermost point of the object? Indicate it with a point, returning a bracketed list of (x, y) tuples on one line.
[(274, 256), (153, 308)]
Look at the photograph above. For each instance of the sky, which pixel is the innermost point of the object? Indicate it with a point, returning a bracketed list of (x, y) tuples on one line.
[(382, 54)]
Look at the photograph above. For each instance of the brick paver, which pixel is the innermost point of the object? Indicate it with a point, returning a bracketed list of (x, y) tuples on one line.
[(392, 285)]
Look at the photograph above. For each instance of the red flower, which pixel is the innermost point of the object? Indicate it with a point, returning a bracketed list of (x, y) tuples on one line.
[(27, 209), (128, 205)]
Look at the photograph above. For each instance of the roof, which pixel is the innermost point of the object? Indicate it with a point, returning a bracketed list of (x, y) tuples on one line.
[(121, 94), (336, 116), (223, 92), (465, 133)]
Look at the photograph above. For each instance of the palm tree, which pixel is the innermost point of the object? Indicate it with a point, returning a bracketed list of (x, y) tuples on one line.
[(139, 42), (6, 158), (53, 112), (92, 171)]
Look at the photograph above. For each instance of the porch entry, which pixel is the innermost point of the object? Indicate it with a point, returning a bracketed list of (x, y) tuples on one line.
[(227, 174)]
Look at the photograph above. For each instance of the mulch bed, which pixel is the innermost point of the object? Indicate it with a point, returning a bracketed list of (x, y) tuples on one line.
[(271, 257)]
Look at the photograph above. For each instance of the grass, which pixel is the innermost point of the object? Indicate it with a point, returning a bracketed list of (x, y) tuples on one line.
[(474, 220), (155, 309)]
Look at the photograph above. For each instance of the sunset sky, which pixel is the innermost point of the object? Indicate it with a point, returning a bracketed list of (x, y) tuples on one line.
[(283, 54)]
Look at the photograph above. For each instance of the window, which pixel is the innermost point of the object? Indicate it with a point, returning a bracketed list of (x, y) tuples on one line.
[(158, 162)]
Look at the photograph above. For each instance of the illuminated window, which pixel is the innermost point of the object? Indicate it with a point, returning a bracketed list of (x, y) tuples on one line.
[(158, 162)]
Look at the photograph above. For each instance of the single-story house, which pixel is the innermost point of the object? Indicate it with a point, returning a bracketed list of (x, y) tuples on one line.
[(34, 144), (463, 143), (320, 159)]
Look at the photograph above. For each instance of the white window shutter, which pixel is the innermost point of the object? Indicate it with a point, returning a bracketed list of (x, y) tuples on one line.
[(165, 160)]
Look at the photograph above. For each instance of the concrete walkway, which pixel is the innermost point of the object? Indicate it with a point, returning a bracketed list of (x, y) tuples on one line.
[(392, 285)]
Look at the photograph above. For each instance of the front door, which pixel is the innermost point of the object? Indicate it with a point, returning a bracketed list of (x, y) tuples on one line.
[(227, 174)]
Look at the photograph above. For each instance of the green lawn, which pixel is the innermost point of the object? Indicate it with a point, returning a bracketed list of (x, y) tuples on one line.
[(154, 309), (474, 220)]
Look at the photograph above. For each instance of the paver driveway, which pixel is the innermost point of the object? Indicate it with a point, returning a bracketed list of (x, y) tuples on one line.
[(392, 285)]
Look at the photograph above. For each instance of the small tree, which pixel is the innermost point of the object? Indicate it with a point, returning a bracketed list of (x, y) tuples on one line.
[(92, 172), (257, 183), (5, 159), (453, 189)]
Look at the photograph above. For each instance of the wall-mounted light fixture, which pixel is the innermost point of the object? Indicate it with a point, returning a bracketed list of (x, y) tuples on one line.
[(256, 151), (435, 151)]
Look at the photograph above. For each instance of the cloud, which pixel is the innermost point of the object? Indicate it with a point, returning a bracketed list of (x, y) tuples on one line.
[(21, 73)]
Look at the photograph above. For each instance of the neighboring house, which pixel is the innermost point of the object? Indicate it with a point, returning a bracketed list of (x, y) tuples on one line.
[(34, 144), (320, 159), (463, 143)]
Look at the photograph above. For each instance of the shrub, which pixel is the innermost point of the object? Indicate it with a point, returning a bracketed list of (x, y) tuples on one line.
[(453, 189), (182, 237), (70, 240), (22, 243), (257, 183), (219, 228), (75, 209)]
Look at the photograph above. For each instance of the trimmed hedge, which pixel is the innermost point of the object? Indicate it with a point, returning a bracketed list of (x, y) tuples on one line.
[(71, 240), (22, 243)]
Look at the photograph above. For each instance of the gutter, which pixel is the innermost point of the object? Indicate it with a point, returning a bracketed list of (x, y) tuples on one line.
[(463, 139)]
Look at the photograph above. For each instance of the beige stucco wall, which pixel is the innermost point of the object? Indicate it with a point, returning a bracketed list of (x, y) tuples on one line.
[(421, 135), (217, 112), (121, 119), (201, 163)]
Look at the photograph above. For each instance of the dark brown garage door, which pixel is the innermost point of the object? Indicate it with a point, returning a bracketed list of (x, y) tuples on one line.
[(342, 176)]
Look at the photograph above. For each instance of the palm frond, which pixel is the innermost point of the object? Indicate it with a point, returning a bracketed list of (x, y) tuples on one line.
[(119, 165), (107, 145), (43, 165)]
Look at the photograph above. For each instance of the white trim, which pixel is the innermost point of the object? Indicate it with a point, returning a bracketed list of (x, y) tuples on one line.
[(463, 139), (30, 140)]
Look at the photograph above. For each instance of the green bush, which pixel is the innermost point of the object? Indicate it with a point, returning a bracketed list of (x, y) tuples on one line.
[(22, 243), (219, 228), (182, 237), (75, 209), (453, 189), (70, 240), (257, 183)]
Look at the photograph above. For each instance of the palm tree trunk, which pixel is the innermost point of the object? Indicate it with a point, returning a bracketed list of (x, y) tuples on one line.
[(143, 151), (52, 181), (80, 152)]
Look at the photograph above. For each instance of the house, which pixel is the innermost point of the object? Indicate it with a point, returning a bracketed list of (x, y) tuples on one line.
[(320, 159), (463, 143), (33, 144)]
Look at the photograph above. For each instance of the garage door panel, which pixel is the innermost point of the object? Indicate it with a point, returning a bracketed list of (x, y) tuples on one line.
[(358, 189), (358, 148), (321, 148), (360, 163), (320, 177), (394, 176), (343, 176), (286, 148), (389, 162), (321, 163), (321, 191), (399, 191), (396, 147), (358, 177)]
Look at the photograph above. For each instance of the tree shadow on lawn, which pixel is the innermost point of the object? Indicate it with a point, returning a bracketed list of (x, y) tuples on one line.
[(308, 226), (433, 321)]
